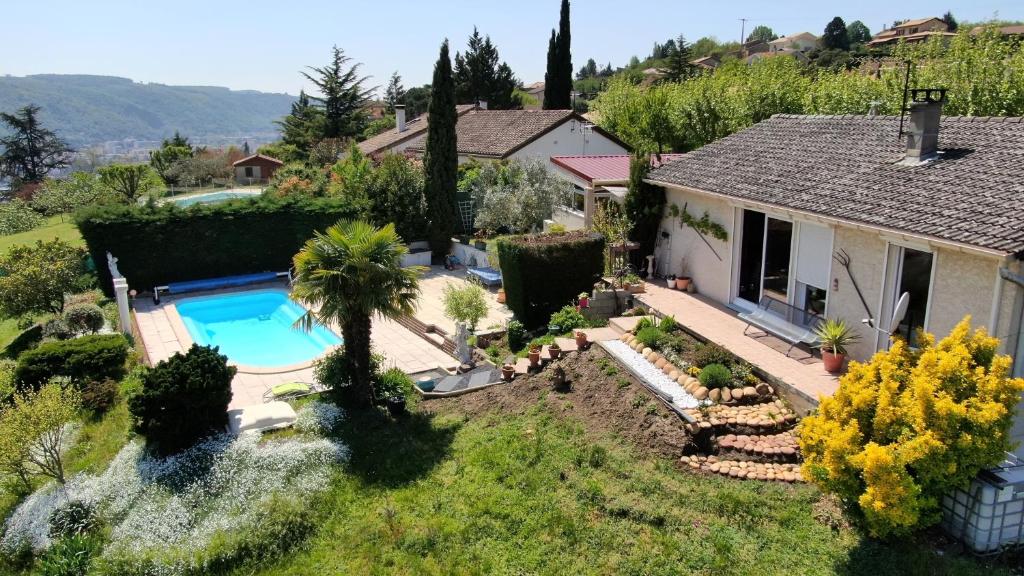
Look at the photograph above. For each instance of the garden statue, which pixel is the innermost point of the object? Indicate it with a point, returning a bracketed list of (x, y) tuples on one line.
[(462, 350)]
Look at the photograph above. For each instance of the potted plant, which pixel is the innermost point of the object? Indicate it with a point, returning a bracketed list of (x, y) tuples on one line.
[(583, 300), (501, 295), (395, 406), (835, 336), (581, 339), (682, 282), (554, 350), (671, 280), (534, 354), (507, 372)]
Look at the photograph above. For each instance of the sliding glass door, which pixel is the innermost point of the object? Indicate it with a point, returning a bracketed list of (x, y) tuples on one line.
[(764, 262), (914, 277)]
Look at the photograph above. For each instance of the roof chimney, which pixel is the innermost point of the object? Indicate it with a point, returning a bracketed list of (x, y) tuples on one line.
[(400, 117), (923, 134), (482, 104)]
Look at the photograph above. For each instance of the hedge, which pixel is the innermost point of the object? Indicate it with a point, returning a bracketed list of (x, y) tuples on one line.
[(544, 272), (85, 359), (155, 245)]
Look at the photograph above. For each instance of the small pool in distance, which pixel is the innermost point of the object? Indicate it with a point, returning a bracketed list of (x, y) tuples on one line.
[(254, 328), (212, 197)]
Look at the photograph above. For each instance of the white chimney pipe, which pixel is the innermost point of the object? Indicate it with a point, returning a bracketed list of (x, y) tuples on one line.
[(482, 104), (400, 117)]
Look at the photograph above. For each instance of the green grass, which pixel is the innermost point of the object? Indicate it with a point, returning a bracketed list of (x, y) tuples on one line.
[(534, 495), (53, 227), (99, 441)]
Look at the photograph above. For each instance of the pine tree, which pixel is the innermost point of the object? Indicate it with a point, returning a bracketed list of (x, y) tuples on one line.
[(303, 125), (835, 36), (679, 67), (395, 93), (342, 96), (479, 76), (29, 151), (441, 160), (558, 79)]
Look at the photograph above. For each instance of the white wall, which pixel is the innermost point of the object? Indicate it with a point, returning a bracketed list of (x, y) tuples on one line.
[(711, 274), (564, 141)]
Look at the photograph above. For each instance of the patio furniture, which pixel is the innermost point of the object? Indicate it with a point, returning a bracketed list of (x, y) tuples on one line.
[(790, 323), (217, 283), (291, 390), (261, 417), (485, 276)]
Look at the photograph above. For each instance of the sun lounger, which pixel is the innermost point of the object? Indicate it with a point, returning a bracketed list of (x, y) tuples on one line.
[(291, 390), (485, 276)]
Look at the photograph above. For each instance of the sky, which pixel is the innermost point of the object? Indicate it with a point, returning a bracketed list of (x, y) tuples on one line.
[(262, 45)]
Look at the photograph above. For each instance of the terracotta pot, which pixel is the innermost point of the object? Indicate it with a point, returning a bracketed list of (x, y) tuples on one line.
[(581, 339), (627, 286), (584, 302), (833, 362), (683, 283), (554, 351), (507, 372), (501, 296), (534, 357)]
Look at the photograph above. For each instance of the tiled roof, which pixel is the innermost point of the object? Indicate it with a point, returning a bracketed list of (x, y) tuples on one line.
[(499, 133), (613, 168), (256, 156), (413, 128), (848, 168)]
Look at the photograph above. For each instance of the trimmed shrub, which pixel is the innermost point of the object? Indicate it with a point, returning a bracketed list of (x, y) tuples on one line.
[(57, 329), (155, 245), (908, 426), (392, 383), (99, 396), (568, 319), (84, 318), (24, 341), (184, 399), (715, 376), (711, 353), (542, 272), (650, 336), (516, 333), (94, 357)]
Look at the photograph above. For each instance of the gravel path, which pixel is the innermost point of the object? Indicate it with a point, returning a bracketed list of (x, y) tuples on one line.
[(651, 375)]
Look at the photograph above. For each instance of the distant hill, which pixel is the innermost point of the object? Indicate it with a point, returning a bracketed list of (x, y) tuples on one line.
[(87, 109)]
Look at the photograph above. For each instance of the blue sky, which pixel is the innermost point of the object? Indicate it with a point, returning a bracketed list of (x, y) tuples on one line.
[(261, 45)]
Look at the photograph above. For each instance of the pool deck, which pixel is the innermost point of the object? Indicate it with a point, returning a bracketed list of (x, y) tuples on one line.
[(163, 334), (430, 306)]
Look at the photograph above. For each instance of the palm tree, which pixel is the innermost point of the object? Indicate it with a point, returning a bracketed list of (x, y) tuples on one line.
[(347, 275)]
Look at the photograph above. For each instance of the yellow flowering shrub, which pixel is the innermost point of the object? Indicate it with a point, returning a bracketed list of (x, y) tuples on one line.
[(908, 426)]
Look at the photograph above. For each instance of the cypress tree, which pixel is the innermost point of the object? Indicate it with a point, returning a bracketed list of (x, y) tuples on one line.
[(558, 79), (644, 204), (441, 160)]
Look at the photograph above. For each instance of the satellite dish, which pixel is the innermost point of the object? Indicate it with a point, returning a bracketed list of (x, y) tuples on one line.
[(900, 312)]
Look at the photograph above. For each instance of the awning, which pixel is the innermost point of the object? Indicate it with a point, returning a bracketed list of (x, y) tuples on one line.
[(618, 192)]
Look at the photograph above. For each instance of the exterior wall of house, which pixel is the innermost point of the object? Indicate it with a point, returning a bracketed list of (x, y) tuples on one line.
[(964, 284), (240, 173), (564, 141), (261, 170), (712, 274), (867, 265)]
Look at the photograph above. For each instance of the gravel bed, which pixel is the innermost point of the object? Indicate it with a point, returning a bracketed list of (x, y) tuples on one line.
[(649, 374)]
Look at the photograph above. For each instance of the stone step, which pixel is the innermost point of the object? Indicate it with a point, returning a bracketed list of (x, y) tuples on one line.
[(757, 419), (781, 447), (774, 471), (622, 324)]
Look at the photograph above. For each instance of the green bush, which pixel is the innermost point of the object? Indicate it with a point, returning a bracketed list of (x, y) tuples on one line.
[(392, 383), (568, 319), (516, 333), (183, 399), (16, 216), (466, 304), (99, 396), (711, 353), (57, 329), (84, 318), (645, 322), (668, 324), (542, 272), (715, 376), (155, 245), (89, 358), (74, 518), (71, 556), (24, 341), (650, 336), (6, 380)]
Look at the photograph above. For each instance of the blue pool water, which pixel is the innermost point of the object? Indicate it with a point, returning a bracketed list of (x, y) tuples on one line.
[(254, 328), (213, 198)]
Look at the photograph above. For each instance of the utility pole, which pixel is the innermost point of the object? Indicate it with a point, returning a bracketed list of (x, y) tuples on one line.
[(743, 31)]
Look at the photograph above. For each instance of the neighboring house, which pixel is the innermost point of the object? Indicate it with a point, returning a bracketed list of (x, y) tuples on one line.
[(256, 168), (1017, 30), (706, 62), (802, 42), (398, 138), (937, 214), (911, 31), (799, 55), (521, 134), (375, 109), (536, 91), (595, 179)]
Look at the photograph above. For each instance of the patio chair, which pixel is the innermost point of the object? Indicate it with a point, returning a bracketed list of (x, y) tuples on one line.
[(291, 391)]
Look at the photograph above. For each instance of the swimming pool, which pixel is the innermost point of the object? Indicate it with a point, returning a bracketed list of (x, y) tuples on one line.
[(213, 197), (254, 328)]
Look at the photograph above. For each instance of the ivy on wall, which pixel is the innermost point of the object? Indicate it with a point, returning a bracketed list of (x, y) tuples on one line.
[(702, 225)]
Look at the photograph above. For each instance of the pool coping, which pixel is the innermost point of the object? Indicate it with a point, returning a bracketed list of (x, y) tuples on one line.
[(185, 339), (174, 199)]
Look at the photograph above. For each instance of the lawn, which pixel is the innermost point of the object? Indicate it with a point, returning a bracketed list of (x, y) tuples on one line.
[(62, 227), (534, 493)]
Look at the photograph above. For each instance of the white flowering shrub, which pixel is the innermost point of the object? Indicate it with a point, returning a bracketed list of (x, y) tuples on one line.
[(177, 515), (320, 418)]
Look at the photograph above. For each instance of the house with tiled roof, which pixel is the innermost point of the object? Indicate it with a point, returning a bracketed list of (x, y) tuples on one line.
[(841, 216), (404, 133), (801, 42), (521, 134), (917, 30)]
